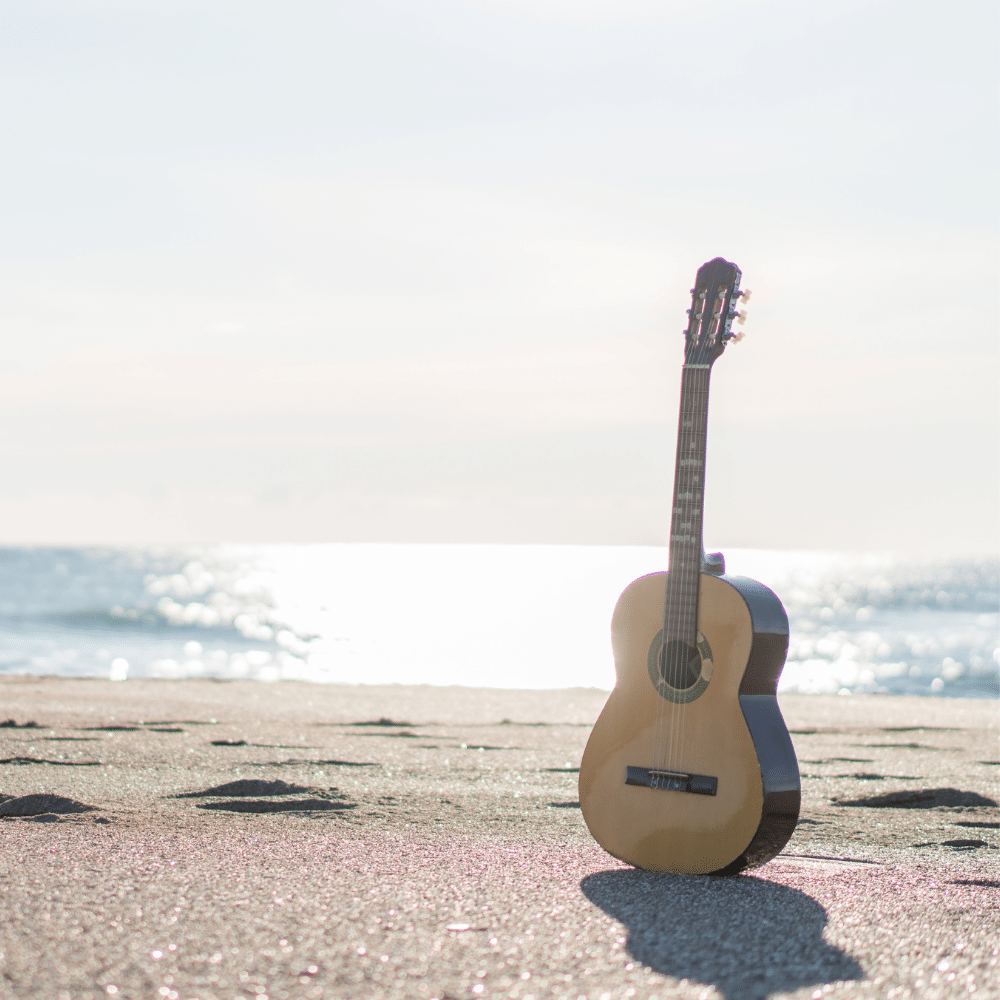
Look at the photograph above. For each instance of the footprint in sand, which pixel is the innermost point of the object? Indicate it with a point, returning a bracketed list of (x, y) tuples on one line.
[(309, 762), (45, 760), (248, 795), (41, 808), (920, 798)]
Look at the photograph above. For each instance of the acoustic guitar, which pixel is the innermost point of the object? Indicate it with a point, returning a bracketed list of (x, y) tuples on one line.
[(689, 767)]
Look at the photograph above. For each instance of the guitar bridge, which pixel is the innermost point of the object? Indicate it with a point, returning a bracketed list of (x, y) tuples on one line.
[(672, 781)]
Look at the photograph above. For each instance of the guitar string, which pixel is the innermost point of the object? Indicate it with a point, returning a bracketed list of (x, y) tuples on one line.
[(679, 578), (693, 489), (686, 578), (662, 755), (697, 507), (665, 714), (680, 574), (688, 582), (677, 573), (698, 442), (725, 298)]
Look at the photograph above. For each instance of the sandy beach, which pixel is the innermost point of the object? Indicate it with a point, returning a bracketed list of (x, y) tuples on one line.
[(237, 839)]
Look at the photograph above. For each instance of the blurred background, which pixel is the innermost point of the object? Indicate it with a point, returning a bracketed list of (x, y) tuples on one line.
[(398, 272)]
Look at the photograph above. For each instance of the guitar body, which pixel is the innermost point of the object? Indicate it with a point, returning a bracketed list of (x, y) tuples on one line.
[(727, 726)]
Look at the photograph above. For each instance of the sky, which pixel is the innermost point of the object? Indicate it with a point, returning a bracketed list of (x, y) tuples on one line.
[(398, 271)]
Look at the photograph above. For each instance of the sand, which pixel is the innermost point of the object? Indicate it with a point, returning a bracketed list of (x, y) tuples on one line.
[(205, 839)]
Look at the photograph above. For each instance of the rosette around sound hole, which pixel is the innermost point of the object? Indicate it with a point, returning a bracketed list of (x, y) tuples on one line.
[(680, 671)]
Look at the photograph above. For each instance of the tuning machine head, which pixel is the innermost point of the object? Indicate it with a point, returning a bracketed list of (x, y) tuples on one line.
[(712, 311), (739, 315)]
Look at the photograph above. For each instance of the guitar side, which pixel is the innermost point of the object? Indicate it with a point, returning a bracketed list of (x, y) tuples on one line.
[(733, 731)]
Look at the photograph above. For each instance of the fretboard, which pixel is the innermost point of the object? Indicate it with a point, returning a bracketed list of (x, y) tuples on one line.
[(680, 616)]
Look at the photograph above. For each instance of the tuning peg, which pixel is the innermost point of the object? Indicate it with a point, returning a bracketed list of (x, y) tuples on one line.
[(744, 296), (741, 317), (737, 337)]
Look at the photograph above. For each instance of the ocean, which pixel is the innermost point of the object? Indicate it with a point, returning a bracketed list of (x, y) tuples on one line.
[(512, 616)]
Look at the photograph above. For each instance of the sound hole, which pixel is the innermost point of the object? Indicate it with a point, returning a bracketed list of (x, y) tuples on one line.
[(680, 664)]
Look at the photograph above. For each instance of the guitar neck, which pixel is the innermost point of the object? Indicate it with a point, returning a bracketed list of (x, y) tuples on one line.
[(681, 611)]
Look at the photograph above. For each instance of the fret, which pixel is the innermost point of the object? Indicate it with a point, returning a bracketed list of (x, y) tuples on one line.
[(681, 606), (709, 321)]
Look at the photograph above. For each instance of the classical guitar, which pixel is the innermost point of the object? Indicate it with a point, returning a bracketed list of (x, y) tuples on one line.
[(689, 767)]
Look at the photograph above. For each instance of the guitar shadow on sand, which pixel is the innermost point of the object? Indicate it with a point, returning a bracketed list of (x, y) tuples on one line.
[(745, 936)]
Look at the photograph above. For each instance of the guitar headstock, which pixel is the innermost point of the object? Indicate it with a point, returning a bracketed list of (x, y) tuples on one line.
[(714, 301)]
